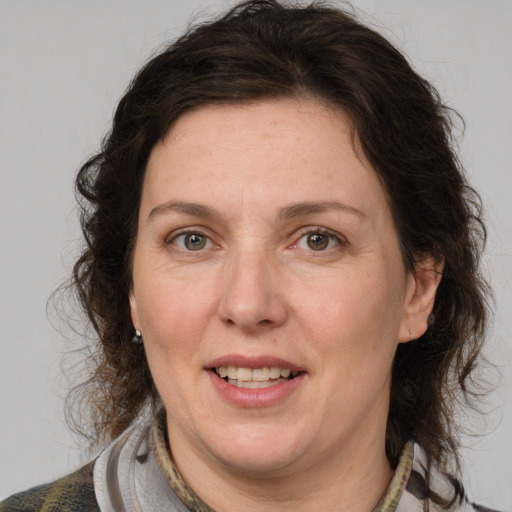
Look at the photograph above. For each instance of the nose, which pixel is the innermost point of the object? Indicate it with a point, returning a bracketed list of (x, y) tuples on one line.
[(252, 296)]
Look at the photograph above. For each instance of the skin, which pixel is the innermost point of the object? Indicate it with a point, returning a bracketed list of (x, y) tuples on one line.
[(257, 289)]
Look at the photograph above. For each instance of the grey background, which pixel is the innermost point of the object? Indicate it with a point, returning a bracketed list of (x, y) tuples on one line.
[(65, 64)]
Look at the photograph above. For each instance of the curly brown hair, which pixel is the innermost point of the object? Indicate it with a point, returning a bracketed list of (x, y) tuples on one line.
[(261, 49)]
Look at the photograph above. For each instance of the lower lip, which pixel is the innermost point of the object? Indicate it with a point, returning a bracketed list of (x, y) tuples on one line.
[(264, 397)]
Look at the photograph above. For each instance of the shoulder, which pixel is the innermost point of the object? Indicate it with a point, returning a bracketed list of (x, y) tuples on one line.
[(418, 485), (443, 492), (72, 493)]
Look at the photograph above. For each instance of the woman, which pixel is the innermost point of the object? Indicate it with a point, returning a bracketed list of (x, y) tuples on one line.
[(282, 269)]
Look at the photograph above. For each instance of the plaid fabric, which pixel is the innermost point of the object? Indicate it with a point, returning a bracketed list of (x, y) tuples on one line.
[(73, 493)]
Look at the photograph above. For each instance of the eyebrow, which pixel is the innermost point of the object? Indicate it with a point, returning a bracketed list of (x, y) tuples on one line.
[(310, 208), (292, 211), (192, 209)]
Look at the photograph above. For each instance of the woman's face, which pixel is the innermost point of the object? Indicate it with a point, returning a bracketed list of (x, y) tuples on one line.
[(266, 251)]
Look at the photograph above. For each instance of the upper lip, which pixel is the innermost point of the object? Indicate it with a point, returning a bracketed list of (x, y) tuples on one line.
[(241, 361)]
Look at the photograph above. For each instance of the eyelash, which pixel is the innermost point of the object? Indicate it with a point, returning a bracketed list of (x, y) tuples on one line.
[(332, 236), (175, 236)]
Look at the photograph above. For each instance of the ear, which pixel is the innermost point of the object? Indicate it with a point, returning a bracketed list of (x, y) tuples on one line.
[(134, 311), (422, 286)]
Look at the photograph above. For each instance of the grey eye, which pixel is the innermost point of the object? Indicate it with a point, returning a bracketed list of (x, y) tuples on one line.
[(192, 241)]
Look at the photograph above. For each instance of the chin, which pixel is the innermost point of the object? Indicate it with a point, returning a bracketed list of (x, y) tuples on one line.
[(257, 450), (259, 463)]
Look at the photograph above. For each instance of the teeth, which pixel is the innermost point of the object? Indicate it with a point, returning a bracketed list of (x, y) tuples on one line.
[(255, 385), (244, 374), (251, 378), (274, 373), (232, 372), (259, 374)]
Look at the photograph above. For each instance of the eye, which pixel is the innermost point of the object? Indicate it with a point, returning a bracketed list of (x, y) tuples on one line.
[(318, 241), (191, 241)]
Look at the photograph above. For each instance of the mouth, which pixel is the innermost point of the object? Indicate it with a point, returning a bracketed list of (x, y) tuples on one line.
[(254, 378)]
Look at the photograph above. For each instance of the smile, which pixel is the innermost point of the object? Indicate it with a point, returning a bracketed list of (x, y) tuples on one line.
[(256, 378)]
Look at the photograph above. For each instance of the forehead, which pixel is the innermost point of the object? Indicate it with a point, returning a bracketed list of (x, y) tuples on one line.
[(290, 149), (268, 124)]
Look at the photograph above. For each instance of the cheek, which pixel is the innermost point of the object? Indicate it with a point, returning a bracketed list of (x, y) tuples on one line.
[(354, 303), (174, 321), (173, 316), (354, 323)]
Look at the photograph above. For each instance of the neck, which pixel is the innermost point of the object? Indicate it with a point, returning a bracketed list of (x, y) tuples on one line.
[(349, 479)]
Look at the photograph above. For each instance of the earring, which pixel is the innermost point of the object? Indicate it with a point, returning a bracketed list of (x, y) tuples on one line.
[(137, 338), (411, 336)]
